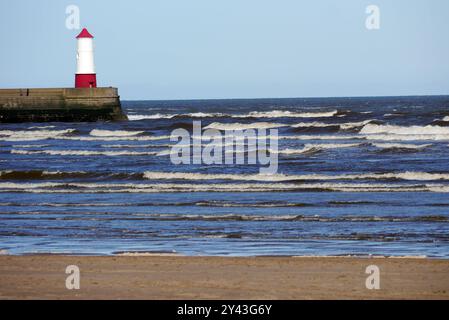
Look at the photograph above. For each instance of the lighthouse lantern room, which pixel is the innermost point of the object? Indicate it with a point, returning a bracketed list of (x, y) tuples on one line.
[(85, 76)]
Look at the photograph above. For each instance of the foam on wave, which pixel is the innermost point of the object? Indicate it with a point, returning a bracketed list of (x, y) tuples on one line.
[(253, 114), (289, 114), (393, 146), (114, 133), (342, 126), (243, 126), (54, 187), (404, 130), (32, 135), (279, 177), (313, 148)]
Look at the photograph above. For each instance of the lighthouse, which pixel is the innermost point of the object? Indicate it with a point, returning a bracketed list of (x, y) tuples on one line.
[(85, 102), (85, 76)]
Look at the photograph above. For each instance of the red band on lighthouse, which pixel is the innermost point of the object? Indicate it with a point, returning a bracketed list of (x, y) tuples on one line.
[(85, 80), (85, 76)]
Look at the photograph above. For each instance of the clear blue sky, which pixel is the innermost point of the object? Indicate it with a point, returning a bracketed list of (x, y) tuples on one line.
[(187, 49)]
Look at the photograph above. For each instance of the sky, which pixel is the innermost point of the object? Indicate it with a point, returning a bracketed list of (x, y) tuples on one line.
[(212, 49)]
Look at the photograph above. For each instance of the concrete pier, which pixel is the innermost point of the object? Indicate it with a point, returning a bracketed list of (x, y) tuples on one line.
[(60, 104)]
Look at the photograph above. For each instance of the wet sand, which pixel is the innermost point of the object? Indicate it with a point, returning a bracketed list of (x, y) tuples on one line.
[(178, 277)]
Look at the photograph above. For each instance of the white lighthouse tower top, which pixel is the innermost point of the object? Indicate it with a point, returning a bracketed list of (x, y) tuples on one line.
[(85, 53)]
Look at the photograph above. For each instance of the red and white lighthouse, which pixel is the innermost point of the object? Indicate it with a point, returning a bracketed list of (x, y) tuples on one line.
[(85, 76)]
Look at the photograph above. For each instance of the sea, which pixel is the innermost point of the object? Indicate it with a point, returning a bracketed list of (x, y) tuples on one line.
[(356, 177)]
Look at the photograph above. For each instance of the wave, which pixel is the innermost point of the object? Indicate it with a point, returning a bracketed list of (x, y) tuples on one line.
[(404, 130), (356, 202), (267, 204), (446, 118), (279, 177), (407, 137), (116, 138), (114, 133), (96, 135), (30, 145), (243, 126), (38, 174), (293, 218), (212, 203), (315, 129), (130, 146), (137, 117), (56, 187), (83, 153), (253, 114), (288, 114), (314, 148), (395, 114), (320, 126), (32, 135), (321, 137), (204, 137), (42, 127), (400, 146), (303, 126), (307, 149)]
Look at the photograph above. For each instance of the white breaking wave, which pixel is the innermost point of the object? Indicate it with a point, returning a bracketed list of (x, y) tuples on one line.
[(49, 187), (137, 117), (407, 137), (393, 114), (129, 146), (343, 126), (403, 130), (254, 114), (32, 135), (114, 133), (314, 124), (322, 137), (243, 126), (279, 177), (117, 138), (83, 153), (205, 115), (96, 135), (288, 114), (401, 146), (446, 118), (311, 148), (268, 125)]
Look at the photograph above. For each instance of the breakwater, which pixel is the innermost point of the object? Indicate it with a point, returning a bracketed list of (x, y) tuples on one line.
[(60, 104)]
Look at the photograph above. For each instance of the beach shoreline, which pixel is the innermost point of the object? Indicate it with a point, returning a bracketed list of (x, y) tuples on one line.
[(158, 276)]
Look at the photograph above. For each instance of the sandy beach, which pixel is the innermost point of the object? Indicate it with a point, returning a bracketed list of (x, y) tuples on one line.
[(178, 277)]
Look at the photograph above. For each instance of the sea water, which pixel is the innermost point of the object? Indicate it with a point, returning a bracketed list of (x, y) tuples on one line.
[(356, 176)]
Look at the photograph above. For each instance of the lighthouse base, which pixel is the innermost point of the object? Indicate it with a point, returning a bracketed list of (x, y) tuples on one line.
[(61, 105), (86, 80)]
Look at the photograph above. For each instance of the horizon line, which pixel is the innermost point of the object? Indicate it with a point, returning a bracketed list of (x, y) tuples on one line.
[(307, 97)]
